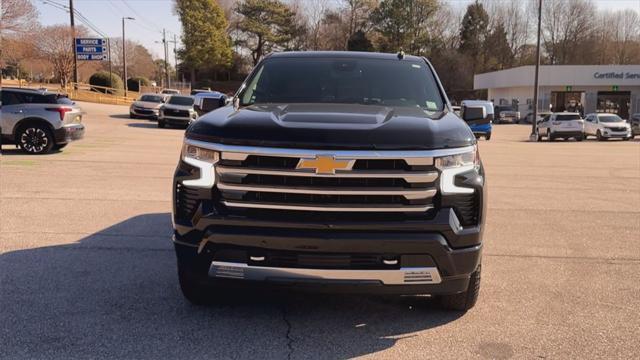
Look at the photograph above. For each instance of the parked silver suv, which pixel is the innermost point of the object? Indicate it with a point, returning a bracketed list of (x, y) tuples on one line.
[(38, 121)]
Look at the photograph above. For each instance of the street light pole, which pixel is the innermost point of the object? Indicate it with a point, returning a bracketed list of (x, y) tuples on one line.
[(124, 56), (534, 120)]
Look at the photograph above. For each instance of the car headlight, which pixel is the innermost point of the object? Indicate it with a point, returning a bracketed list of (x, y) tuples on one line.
[(452, 165), (203, 159)]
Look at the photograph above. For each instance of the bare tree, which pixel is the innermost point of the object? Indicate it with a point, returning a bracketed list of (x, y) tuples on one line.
[(566, 26), (139, 60), (53, 44), (626, 36), (16, 17), (513, 16)]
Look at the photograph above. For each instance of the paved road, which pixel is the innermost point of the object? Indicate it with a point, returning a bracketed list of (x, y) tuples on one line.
[(87, 269)]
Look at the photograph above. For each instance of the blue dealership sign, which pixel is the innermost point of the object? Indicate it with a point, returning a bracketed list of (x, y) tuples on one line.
[(91, 49), (91, 42)]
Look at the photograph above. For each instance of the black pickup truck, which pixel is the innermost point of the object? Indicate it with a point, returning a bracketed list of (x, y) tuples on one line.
[(333, 171)]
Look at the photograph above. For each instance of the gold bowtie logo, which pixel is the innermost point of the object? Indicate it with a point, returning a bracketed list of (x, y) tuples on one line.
[(325, 164)]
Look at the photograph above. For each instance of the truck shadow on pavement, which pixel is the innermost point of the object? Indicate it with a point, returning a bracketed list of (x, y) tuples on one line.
[(114, 294)]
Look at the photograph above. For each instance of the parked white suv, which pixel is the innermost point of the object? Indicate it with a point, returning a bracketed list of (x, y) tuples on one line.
[(561, 125), (605, 126), (38, 121)]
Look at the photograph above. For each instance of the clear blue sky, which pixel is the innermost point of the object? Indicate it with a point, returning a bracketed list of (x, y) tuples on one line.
[(154, 15)]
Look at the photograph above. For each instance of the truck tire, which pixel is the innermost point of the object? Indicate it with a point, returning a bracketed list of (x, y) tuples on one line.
[(34, 138), (463, 301), (487, 136), (194, 288), (161, 124), (60, 146)]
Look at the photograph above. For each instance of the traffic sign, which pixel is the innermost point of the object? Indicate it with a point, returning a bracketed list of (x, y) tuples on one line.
[(91, 41), (91, 49), (92, 57)]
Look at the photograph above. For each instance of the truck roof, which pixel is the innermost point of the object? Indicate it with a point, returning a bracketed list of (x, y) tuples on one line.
[(341, 54)]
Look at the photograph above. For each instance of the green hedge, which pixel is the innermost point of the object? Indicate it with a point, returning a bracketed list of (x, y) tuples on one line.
[(103, 78), (134, 83)]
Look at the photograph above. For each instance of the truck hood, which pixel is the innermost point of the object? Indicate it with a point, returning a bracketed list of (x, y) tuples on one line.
[(177, 107), (615, 125), (337, 126)]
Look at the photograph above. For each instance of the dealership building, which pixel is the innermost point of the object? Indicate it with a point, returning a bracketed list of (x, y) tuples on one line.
[(594, 88)]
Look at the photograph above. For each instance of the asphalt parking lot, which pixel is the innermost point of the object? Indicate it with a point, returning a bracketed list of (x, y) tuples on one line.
[(87, 268)]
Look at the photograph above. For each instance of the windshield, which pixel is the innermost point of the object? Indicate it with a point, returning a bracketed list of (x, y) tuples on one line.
[(609, 118), (568, 117), (345, 81), (151, 98), (181, 100)]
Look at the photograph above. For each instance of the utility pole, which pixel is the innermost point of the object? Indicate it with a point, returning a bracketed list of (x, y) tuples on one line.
[(75, 55), (124, 56), (175, 54), (110, 72), (166, 60), (534, 121)]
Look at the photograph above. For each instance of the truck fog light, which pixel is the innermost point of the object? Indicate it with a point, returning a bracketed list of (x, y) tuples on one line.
[(204, 159)]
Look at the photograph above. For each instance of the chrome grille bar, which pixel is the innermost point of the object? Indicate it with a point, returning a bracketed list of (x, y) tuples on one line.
[(333, 208), (407, 193), (410, 177)]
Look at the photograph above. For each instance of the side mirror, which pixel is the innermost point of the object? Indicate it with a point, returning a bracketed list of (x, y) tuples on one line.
[(473, 113)]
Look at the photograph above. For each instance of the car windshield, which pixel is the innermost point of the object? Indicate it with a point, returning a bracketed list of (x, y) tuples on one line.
[(567, 117), (609, 118), (151, 98), (345, 81), (181, 100)]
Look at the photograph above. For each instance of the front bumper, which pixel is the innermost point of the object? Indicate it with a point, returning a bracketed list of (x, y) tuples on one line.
[(615, 134), (70, 132), (432, 264), (481, 129), (175, 120), (567, 133), (145, 113)]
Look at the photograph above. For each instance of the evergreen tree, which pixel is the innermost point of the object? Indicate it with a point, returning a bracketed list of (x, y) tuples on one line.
[(403, 24), (497, 50), (267, 25), (359, 42), (204, 35), (473, 33)]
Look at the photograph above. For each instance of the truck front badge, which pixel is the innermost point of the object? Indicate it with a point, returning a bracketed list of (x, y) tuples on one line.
[(325, 164)]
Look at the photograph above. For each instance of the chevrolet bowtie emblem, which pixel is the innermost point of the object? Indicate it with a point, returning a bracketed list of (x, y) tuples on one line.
[(325, 164)]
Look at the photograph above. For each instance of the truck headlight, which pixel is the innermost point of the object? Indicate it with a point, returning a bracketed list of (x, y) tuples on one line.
[(452, 165), (203, 159)]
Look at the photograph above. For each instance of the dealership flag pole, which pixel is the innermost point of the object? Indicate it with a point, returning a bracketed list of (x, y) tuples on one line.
[(534, 120)]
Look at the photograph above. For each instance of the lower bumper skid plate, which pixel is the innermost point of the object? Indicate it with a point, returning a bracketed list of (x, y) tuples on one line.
[(402, 276)]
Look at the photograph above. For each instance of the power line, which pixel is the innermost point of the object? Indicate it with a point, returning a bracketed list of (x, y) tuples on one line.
[(83, 19)]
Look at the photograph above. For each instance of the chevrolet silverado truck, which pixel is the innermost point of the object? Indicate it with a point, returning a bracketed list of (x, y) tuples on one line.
[(332, 171)]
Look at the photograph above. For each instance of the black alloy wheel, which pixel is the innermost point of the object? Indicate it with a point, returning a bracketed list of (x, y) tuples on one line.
[(35, 139)]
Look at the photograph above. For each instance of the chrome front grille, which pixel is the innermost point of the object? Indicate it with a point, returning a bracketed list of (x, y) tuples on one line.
[(375, 182)]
